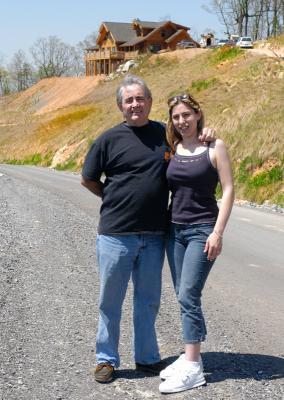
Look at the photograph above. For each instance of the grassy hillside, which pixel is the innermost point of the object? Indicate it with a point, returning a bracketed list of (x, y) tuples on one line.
[(242, 95)]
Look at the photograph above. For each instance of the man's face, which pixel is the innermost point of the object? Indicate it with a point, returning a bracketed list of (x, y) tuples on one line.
[(135, 107)]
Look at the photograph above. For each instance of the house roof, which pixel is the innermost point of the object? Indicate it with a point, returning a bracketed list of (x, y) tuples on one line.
[(137, 40), (121, 31), (96, 47), (177, 33), (125, 35), (148, 24)]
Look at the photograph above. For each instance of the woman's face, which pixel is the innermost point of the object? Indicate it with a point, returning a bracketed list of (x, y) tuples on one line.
[(185, 119)]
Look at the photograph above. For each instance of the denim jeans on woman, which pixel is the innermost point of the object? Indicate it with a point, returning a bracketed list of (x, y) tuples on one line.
[(189, 268), (140, 256)]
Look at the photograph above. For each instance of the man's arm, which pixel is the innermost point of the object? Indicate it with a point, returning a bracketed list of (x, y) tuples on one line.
[(93, 186)]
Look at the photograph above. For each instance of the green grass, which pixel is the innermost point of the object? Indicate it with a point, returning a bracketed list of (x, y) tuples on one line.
[(258, 182), (34, 159), (246, 167), (278, 198), (203, 84), (69, 165), (225, 53), (265, 178)]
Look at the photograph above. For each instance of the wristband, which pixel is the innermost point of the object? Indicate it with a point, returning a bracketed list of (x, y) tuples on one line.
[(218, 234)]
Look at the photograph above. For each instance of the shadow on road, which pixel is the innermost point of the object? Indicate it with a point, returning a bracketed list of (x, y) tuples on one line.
[(133, 374), (220, 366)]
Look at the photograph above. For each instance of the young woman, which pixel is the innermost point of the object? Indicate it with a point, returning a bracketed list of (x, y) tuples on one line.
[(196, 231)]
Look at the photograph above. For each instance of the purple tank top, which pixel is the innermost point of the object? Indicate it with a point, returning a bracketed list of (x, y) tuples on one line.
[(192, 182)]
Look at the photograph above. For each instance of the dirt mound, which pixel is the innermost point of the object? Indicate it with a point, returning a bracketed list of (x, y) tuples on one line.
[(269, 50), (52, 93), (182, 54)]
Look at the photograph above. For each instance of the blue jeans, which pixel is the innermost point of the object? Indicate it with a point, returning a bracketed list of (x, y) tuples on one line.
[(140, 256), (189, 268)]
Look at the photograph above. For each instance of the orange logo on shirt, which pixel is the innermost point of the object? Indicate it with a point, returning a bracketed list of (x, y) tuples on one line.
[(167, 155)]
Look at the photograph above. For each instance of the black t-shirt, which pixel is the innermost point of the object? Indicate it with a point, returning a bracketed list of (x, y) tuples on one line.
[(135, 190)]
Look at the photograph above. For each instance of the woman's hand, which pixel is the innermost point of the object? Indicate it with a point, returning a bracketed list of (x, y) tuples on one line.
[(207, 135), (213, 246)]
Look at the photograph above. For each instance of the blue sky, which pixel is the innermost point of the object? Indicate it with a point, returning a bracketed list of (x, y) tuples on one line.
[(25, 21)]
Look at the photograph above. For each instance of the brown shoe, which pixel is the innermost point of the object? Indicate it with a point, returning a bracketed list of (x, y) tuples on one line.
[(104, 372)]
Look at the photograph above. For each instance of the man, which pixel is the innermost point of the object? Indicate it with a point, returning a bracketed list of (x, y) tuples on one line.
[(133, 218)]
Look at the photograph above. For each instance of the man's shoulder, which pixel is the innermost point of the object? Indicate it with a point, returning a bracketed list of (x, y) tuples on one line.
[(108, 134), (158, 124), (122, 129)]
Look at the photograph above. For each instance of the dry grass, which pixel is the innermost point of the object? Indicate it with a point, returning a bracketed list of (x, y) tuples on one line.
[(242, 95)]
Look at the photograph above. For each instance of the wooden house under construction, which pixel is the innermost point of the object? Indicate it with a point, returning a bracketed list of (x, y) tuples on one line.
[(118, 42)]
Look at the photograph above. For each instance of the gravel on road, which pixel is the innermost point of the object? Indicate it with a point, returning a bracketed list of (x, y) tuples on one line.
[(48, 315)]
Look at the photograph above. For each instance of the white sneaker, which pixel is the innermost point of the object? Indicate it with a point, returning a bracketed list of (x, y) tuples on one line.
[(187, 378), (176, 365)]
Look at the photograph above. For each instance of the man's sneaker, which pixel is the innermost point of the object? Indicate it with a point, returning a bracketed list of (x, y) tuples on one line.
[(175, 366), (153, 369), (187, 378), (104, 372)]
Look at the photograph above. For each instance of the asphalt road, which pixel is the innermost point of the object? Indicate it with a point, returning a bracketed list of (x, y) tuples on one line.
[(49, 289)]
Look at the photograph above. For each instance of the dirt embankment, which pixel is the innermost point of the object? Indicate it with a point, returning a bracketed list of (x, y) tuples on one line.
[(52, 93), (267, 50)]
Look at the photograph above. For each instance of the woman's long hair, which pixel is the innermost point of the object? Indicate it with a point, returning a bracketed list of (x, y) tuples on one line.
[(173, 136)]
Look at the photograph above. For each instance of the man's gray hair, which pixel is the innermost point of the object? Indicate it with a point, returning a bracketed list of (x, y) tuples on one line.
[(132, 80)]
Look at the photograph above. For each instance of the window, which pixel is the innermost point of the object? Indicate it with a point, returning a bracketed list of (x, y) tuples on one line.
[(154, 48)]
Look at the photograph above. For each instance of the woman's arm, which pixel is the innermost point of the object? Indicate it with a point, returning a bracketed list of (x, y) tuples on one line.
[(213, 245)]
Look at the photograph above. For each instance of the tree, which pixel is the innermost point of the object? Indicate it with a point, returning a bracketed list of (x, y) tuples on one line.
[(89, 41), (277, 7), (52, 57), (5, 82), (21, 71), (78, 65), (257, 18), (79, 52)]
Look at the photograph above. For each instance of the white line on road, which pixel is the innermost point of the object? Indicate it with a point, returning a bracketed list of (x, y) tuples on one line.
[(244, 219), (274, 228), (254, 265)]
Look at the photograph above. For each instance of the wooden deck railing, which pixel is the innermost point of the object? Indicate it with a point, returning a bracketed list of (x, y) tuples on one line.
[(129, 55), (114, 55), (106, 54)]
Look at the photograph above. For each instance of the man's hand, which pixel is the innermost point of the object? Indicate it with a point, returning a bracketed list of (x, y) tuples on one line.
[(207, 135), (94, 187)]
